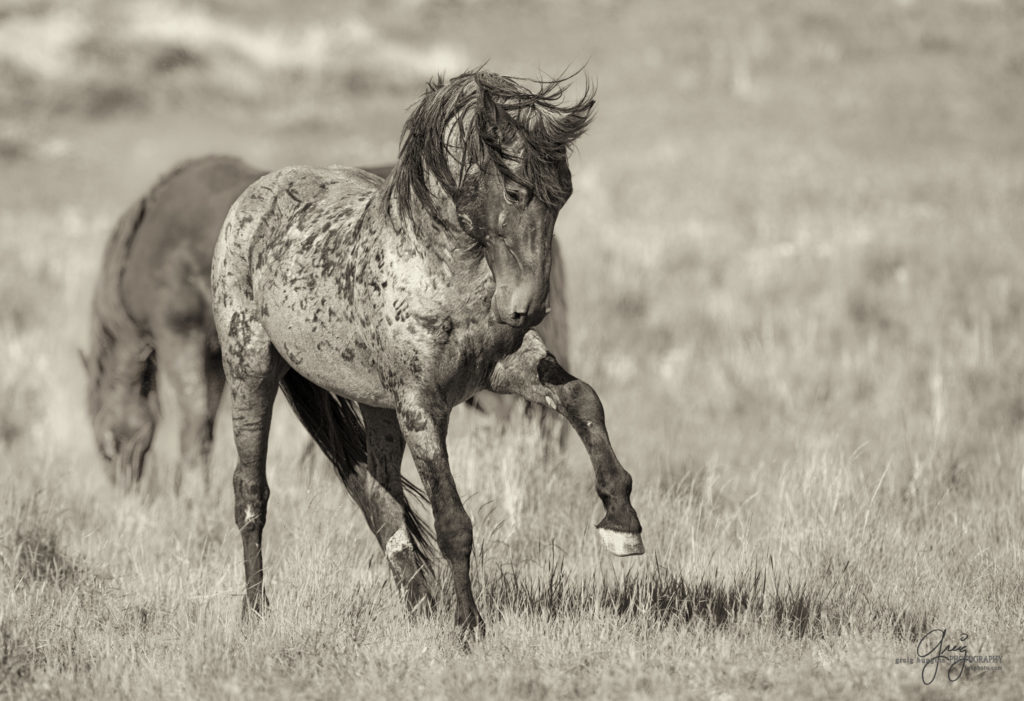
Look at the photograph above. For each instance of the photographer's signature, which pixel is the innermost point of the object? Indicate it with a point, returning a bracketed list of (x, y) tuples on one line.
[(938, 648), (933, 649)]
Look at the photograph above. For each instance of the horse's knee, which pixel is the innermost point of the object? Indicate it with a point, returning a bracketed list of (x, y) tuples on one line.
[(581, 403)]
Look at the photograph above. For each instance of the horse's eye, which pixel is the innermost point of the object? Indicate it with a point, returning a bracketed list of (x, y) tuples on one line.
[(516, 195)]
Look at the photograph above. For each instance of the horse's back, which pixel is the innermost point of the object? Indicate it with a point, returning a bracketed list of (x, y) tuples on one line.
[(297, 201), (293, 187), (165, 281)]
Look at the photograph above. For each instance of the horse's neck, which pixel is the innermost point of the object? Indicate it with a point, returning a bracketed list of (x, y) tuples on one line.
[(120, 349), (436, 239)]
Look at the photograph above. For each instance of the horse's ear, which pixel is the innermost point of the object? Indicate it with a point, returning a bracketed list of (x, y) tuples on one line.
[(487, 118)]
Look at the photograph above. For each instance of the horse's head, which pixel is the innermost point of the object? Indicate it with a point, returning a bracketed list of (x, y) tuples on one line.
[(492, 156), (515, 227), (123, 412)]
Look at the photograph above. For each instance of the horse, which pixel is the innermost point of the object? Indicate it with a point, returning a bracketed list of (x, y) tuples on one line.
[(151, 304), (376, 306)]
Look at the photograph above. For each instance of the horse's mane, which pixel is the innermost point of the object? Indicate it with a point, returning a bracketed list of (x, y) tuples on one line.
[(110, 319), (485, 113)]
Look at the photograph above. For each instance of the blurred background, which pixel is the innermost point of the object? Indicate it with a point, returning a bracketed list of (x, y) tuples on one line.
[(794, 222)]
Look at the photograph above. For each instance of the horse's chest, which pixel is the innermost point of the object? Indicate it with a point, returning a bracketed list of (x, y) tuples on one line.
[(447, 352)]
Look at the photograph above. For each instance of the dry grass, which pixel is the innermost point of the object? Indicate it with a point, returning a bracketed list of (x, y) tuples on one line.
[(795, 281)]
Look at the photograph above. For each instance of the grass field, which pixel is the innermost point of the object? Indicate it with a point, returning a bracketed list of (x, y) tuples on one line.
[(795, 263)]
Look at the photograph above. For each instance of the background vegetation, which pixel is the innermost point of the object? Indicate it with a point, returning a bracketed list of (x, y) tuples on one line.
[(794, 258)]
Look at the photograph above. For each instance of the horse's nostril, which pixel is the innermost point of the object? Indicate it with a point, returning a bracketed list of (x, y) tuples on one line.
[(515, 318)]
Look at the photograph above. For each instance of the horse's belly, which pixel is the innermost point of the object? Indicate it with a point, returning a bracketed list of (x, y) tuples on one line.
[(326, 350), (331, 363)]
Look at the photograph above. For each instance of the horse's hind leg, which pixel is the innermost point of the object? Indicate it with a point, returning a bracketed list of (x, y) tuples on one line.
[(533, 373), (388, 512), (253, 372)]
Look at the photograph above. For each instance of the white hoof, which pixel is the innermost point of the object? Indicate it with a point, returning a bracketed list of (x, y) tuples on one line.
[(620, 543)]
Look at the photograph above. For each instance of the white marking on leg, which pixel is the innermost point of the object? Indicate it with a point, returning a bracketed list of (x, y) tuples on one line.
[(397, 543), (250, 514)]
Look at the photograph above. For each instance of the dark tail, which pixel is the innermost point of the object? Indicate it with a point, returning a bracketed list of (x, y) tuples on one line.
[(336, 426)]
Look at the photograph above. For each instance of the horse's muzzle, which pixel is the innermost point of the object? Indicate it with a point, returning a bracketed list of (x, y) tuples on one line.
[(519, 315), (522, 305)]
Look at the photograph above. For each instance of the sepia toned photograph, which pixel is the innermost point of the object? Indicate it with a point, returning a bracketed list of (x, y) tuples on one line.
[(466, 349)]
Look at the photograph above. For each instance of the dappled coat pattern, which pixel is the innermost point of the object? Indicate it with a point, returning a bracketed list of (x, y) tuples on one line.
[(406, 297)]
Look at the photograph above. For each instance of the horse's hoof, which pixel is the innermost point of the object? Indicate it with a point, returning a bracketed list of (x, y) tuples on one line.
[(255, 611), (471, 632), (621, 543), (419, 600)]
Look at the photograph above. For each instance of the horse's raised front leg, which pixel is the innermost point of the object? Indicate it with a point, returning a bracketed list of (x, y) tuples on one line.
[(194, 374), (253, 372), (424, 423), (377, 489), (532, 372)]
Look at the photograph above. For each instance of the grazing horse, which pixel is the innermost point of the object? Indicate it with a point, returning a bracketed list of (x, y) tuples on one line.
[(152, 302), (151, 306), (406, 297)]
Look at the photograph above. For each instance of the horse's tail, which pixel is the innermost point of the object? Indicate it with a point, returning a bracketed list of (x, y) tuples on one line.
[(337, 428)]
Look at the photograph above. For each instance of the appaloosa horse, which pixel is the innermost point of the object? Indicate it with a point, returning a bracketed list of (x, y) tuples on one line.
[(151, 306), (406, 297)]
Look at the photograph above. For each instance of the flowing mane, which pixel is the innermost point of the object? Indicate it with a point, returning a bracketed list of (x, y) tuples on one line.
[(478, 118)]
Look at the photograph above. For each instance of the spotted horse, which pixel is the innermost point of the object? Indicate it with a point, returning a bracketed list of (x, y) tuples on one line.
[(406, 297)]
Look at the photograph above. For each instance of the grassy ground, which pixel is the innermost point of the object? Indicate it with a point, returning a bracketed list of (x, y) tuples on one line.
[(795, 275)]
